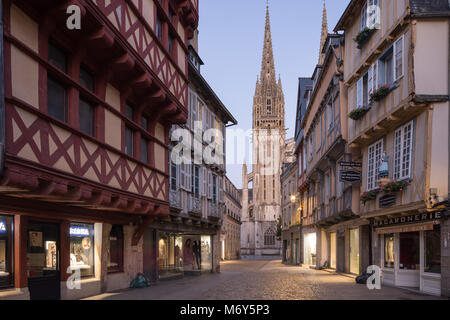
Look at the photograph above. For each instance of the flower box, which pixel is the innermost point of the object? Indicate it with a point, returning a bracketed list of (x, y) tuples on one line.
[(363, 36), (369, 195), (396, 186), (380, 93), (358, 113)]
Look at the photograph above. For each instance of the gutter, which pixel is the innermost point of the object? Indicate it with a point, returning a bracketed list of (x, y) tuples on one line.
[(2, 96)]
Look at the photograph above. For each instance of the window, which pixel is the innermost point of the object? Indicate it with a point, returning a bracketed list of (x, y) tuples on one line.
[(170, 45), (269, 106), (269, 238), (56, 100), (196, 181), (87, 80), (403, 146), (57, 57), (389, 251), (129, 112), (386, 64), (330, 115), (159, 32), (433, 250), (144, 123), (129, 141), (410, 251), (214, 191), (115, 263), (173, 176), (372, 79), (6, 257), (82, 249), (370, 15), (144, 150), (374, 158), (87, 117)]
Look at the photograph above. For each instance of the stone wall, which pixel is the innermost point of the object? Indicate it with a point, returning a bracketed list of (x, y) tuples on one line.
[(445, 257)]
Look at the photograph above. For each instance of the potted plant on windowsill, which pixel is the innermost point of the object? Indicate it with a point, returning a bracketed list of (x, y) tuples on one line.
[(358, 113), (369, 195), (380, 93), (363, 36)]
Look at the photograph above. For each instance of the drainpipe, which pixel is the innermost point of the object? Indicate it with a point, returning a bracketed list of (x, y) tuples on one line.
[(2, 95)]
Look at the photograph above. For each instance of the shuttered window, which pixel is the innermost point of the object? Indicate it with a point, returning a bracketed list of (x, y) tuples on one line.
[(403, 146)]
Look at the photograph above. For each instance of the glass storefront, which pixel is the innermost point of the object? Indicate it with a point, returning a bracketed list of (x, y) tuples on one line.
[(310, 249), (389, 251), (170, 254), (82, 249), (333, 250), (409, 251), (432, 247), (354, 251), (179, 253), (6, 235)]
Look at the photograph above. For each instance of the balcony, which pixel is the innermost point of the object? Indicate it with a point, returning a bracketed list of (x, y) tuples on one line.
[(175, 200), (213, 210), (336, 210), (195, 206)]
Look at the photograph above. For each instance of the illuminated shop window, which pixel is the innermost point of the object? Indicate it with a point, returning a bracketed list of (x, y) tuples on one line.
[(389, 251), (6, 276), (433, 250), (82, 249)]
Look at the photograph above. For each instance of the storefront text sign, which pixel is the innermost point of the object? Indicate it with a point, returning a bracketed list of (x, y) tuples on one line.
[(350, 176), (79, 232), (413, 228), (351, 164), (422, 217)]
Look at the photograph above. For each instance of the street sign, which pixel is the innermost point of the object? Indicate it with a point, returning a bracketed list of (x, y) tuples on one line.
[(351, 164), (350, 176)]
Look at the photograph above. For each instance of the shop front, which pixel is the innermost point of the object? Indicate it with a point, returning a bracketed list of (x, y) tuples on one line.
[(181, 254), (309, 251), (410, 251), (6, 252)]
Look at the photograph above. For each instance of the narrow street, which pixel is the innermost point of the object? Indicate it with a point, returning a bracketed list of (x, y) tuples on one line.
[(263, 280)]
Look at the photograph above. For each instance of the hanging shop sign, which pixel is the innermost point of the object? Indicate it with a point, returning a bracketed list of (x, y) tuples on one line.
[(387, 200), (350, 176), (415, 218), (79, 232), (351, 164), (2, 226)]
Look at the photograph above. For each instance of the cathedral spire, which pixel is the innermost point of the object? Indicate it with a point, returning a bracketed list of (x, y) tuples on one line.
[(324, 33), (268, 65)]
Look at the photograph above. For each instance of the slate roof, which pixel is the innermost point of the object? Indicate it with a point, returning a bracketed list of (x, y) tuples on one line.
[(430, 7)]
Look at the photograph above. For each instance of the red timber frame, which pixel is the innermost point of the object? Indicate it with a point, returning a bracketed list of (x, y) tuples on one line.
[(126, 54)]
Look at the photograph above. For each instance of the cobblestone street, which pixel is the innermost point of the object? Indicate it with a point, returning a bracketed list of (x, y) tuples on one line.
[(263, 280)]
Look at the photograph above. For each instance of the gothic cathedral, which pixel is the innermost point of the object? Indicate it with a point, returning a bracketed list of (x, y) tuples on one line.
[(261, 204)]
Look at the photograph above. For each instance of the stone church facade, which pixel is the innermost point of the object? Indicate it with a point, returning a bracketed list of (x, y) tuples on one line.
[(261, 211)]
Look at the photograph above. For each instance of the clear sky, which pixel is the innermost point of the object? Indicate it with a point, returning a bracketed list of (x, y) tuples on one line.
[(231, 42)]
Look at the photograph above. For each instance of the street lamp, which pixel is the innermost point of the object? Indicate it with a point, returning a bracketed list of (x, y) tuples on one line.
[(293, 198)]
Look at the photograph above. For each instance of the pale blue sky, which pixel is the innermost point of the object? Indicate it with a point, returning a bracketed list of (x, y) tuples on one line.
[(230, 43)]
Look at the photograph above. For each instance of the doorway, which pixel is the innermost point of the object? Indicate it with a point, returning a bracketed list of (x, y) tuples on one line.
[(43, 265)]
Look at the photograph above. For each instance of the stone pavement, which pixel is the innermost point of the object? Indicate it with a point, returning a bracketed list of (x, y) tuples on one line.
[(263, 280)]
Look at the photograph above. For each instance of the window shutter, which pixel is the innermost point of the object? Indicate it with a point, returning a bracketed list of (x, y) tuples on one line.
[(398, 58), (189, 177), (210, 185), (203, 182), (370, 81), (182, 175), (359, 93)]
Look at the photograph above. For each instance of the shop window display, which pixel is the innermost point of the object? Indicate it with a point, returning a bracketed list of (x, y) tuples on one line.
[(433, 250), (82, 249), (170, 254), (5, 252), (115, 263), (410, 251), (389, 251), (206, 253)]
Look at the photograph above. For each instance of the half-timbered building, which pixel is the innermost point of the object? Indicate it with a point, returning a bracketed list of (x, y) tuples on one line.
[(88, 109)]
